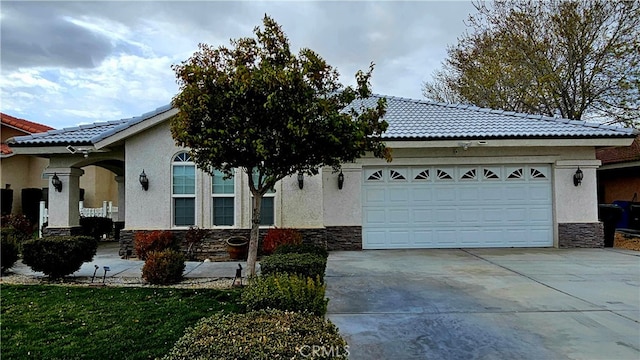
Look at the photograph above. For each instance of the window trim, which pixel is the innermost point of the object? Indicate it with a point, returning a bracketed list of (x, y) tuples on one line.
[(233, 196), (194, 196)]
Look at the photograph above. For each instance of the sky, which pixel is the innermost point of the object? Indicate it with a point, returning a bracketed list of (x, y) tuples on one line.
[(69, 63)]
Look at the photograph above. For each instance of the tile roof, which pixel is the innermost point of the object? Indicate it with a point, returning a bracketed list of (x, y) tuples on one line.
[(425, 120), (83, 134), (22, 124), (408, 120), (620, 154), (5, 149)]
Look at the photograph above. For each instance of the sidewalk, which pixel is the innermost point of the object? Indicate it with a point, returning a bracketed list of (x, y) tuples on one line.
[(107, 255)]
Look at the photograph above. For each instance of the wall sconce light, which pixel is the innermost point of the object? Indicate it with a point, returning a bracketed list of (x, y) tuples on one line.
[(144, 181), (57, 184), (577, 177), (340, 180), (300, 180)]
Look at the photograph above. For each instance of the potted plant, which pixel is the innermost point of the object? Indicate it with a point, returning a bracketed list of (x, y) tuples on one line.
[(237, 247)]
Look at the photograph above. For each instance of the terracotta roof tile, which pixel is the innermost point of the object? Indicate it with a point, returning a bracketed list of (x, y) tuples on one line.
[(5, 149), (24, 125), (620, 154)]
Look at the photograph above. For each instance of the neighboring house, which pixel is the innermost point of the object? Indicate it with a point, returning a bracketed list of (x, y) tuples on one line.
[(461, 176), (619, 175), (26, 171), (18, 172)]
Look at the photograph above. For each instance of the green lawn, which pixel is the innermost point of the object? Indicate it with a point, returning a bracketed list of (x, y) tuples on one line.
[(66, 322)]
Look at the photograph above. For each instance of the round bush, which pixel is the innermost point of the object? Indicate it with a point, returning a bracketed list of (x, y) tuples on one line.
[(286, 292), (305, 265), (146, 241), (163, 267), (8, 253), (58, 256), (265, 334)]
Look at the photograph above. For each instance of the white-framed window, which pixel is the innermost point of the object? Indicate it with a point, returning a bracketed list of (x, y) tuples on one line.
[(223, 197), (267, 207), (183, 190)]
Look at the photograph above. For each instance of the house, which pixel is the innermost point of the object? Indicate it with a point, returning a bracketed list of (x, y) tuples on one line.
[(619, 181), (461, 176), (20, 171), (619, 175)]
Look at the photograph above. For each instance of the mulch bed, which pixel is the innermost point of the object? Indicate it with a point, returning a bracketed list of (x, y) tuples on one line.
[(626, 241)]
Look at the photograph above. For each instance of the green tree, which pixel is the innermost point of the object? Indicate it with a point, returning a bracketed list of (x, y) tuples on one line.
[(569, 58), (260, 108)]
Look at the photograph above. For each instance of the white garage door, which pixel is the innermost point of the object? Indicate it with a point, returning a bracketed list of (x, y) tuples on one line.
[(457, 207)]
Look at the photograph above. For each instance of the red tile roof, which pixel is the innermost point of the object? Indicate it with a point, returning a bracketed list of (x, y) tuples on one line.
[(5, 149), (620, 154), (24, 125)]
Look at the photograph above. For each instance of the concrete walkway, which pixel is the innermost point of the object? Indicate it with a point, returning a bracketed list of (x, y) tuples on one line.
[(487, 303), (107, 255)]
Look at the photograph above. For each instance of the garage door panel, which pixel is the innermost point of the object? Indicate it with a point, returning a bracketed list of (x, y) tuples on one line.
[(398, 237), (375, 196), (445, 217), (476, 206), (445, 194), (398, 216), (374, 217), (422, 216), (395, 195)]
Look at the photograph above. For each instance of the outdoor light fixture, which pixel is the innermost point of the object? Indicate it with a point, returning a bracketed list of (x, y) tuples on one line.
[(57, 184), (144, 181), (300, 180), (340, 180), (577, 177)]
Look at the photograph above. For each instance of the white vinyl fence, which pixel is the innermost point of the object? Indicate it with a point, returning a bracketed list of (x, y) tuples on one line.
[(107, 210)]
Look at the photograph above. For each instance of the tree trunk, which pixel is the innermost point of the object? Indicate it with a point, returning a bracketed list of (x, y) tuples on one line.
[(255, 233)]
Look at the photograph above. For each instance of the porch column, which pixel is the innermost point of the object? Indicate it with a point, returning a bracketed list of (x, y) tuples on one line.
[(121, 199), (63, 205)]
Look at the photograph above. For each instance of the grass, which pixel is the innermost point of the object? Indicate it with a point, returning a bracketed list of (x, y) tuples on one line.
[(67, 322)]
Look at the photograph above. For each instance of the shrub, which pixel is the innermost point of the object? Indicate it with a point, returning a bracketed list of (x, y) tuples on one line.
[(286, 292), (193, 240), (305, 265), (58, 256), (95, 226), (280, 236), (302, 249), (147, 241), (8, 253), (20, 223), (163, 267), (265, 334)]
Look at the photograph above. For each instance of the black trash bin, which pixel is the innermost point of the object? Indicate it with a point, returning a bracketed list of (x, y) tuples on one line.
[(609, 214)]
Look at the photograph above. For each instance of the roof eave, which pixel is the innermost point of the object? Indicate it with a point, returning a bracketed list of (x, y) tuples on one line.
[(507, 142), (127, 130)]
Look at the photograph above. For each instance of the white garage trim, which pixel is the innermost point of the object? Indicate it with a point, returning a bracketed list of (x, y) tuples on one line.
[(457, 206)]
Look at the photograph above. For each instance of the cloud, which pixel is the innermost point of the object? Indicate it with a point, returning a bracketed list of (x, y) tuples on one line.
[(65, 63)]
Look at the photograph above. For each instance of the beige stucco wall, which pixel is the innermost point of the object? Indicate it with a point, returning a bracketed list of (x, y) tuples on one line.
[(22, 171), (99, 185)]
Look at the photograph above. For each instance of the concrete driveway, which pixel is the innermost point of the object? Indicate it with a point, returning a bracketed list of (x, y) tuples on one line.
[(487, 303)]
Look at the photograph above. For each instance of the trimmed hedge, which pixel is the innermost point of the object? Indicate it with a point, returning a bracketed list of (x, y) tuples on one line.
[(163, 267), (302, 249), (286, 292), (304, 265), (58, 256), (280, 236), (265, 334), (8, 252)]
